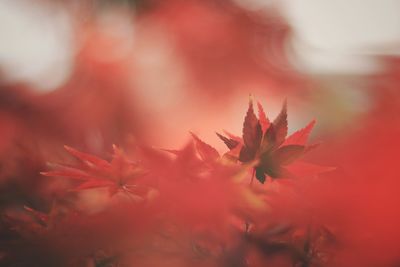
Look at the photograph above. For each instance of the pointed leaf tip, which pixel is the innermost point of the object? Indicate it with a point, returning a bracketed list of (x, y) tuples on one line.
[(88, 159), (206, 151), (229, 142), (252, 132), (301, 136)]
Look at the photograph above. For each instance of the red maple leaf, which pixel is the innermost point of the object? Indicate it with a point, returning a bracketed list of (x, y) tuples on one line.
[(265, 143), (118, 175)]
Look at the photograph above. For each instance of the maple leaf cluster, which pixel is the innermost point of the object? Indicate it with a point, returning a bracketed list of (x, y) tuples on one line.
[(195, 203), (265, 143)]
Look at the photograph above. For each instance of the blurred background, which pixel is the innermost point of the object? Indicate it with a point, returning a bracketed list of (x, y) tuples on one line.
[(172, 64)]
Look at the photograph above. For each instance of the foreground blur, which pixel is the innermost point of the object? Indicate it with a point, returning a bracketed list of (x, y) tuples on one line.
[(90, 74)]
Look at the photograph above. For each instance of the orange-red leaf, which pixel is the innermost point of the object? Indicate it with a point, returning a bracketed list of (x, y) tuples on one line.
[(206, 152), (118, 175), (68, 173), (300, 137), (287, 154), (89, 160), (94, 184)]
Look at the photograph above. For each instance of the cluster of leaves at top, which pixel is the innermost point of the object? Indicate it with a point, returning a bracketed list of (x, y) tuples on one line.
[(197, 196)]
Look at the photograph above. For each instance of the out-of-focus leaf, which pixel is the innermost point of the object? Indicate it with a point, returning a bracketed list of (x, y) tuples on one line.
[(206, 152)]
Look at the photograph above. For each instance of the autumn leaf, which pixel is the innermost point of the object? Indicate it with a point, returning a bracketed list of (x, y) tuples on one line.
[(229, 142), (234, 143), (206, 151), (252, 135), (301, 136), (281, 125), (265, 142), (89, 160), (119, 175), (287, 154), (264, 121)]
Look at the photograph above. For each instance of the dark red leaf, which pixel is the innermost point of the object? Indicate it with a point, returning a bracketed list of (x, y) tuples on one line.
[(287, 154), (269, 139), (233, 137), (281, 125), (246, 154), (264, 121), (252, 135), (252, 132), (230, 143), (260, 175)]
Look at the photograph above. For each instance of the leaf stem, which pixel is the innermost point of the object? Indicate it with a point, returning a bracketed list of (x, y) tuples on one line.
[(252, 177)]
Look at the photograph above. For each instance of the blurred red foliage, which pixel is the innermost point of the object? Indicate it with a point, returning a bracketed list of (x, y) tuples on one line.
[(360, 199), (194, 206), (226, 48)]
